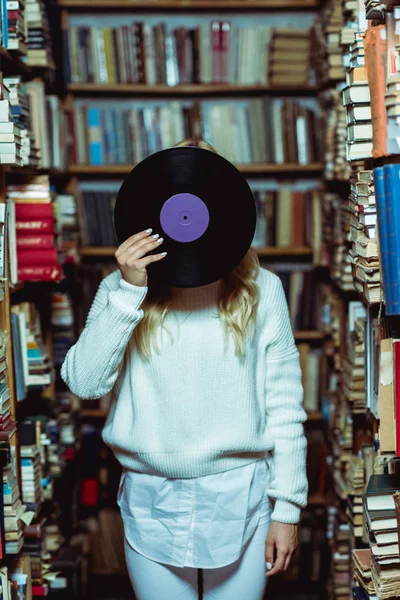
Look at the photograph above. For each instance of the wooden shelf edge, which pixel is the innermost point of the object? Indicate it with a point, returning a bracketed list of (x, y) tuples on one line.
[(188, 89), (225, 5), (268, 251), (259, 168), (315, 416)]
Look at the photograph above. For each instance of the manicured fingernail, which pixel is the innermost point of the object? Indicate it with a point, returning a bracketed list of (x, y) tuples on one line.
[(155, 236), (268, 565), (148, 230), (163, 254), (160, 240)]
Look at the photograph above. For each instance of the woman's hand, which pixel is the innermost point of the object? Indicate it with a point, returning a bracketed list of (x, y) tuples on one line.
[(280, 544), (132, 259)]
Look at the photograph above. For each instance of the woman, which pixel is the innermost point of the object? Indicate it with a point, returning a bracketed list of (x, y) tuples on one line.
[(206, 420)]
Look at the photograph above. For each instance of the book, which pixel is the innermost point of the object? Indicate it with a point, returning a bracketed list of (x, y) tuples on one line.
[(380, 490)]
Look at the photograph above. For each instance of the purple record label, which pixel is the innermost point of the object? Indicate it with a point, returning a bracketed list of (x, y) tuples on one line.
[(184, 217)]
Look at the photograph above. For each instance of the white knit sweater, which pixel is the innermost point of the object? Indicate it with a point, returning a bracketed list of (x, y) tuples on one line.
[(196, 408)]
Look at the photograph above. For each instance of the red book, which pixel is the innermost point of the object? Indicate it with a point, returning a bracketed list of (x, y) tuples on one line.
[(41, 273), (396, 369), (45, 240), (89, 492), (27, 212), (36, 258), (38, 225), (40, 590)]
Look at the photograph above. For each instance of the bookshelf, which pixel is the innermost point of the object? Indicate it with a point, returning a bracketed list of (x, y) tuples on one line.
[(187, 90), (251, 169), (190, 5), (265, 252)]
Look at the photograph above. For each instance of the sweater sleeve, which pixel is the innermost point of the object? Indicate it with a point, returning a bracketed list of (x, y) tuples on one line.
[(285, 414), (91, 366)]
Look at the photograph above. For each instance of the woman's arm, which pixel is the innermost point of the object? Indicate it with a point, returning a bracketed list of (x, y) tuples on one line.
[(285, 414), (91, 366)]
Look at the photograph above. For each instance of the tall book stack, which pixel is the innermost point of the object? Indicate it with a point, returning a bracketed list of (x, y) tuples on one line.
[(10, 134), (353, 380), (326, 51), (15, 514), (38, 42), (336, 167), (337, 238), (21, 116), (16, 26), (364, 254), (34, 255), (381, 508), (356, 99)]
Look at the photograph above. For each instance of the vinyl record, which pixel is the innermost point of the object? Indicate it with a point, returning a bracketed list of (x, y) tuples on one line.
[(199, 203)]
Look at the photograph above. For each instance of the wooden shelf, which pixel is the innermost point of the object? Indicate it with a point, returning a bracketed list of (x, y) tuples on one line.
[(309, 335), (315, 416), (315, 500), (268, 251), (247, 169), (94, 412), (190, 5), (11, 63), (187, 89)]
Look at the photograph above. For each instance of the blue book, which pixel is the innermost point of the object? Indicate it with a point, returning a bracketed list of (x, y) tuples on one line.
[(392, 201), (117, 146), (96, 155), (379, 183), (4, 22)]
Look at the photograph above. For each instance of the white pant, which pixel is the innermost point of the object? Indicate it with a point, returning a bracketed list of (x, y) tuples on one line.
[(244, 578)]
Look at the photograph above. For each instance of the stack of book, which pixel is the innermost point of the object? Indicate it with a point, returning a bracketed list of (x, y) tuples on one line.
[(290, 56), (337, 236), (356, 99), (326, 51), (21, 125), (39, 50), (10, 134), (353, 380), (362, 571), (35, 252), (68, 228), (374, 8), (7, 424), (354, 509), (37, 368), (381, 513), (13, 509), (16, 26), (336, 165), (364, 254), (269, 130), (31, 470), (341, 557)]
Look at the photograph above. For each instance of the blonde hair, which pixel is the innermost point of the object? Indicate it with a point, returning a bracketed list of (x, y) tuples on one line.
[(237, 303)]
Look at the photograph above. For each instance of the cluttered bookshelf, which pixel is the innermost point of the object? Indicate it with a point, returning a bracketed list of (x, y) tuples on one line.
[(309, 124)]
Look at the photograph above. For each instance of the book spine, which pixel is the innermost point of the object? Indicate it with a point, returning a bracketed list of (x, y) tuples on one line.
[(24, 212), (40, 225), (391, 176), (37, 257), (40, 273), (379, 183), (96, 155)]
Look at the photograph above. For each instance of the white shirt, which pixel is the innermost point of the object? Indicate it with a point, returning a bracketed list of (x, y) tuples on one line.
[(202, 522), (195, 407)]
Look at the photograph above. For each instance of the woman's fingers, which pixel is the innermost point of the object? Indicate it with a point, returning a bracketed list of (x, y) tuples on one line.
[(279, 563), (130, 257), (144, 262), (137, 237)]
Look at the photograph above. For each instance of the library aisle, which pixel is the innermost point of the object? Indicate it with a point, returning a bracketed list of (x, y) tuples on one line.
[(301, 96)]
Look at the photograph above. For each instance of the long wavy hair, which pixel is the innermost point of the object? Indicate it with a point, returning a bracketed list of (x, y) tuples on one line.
[(237, 303)]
